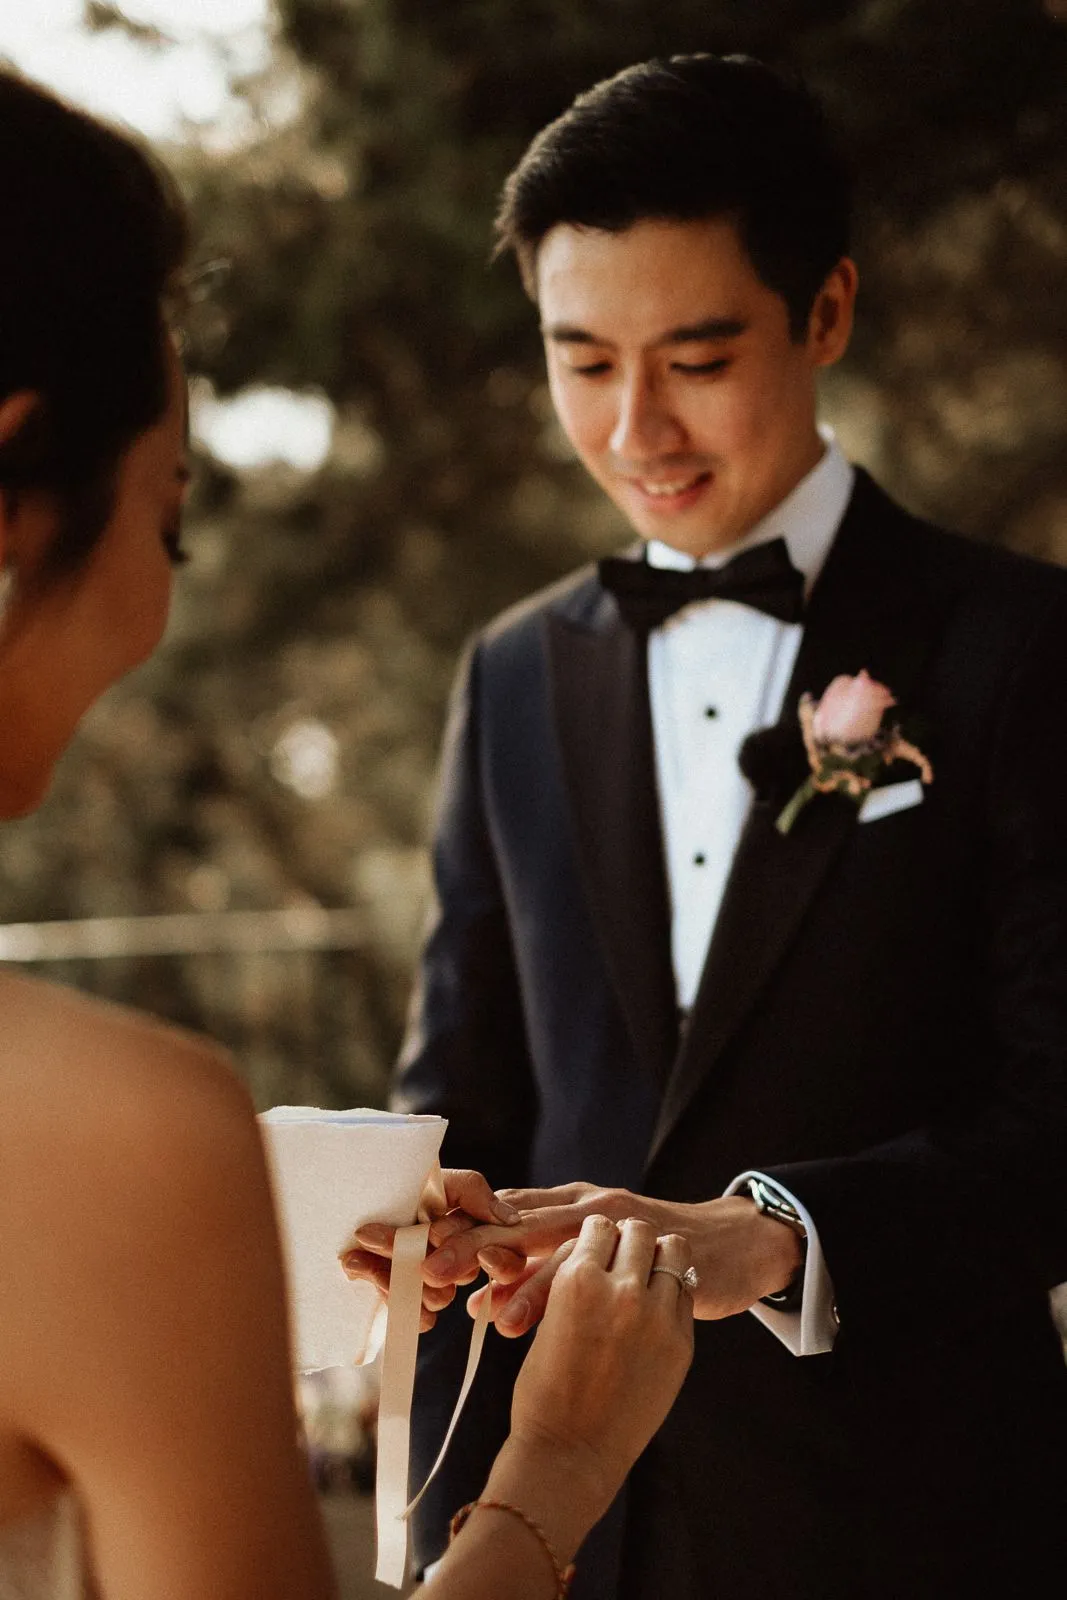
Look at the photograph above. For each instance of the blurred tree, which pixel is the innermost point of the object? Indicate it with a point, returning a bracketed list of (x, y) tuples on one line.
[(357, 233)]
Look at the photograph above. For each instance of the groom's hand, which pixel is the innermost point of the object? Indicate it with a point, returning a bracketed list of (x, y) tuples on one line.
[(468, 1201), (739, 1254)]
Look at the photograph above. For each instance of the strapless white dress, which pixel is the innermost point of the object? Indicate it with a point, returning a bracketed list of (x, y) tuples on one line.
[(41, 1557)]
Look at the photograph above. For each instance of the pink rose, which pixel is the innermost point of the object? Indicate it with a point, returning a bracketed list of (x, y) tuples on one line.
[(851, 710)]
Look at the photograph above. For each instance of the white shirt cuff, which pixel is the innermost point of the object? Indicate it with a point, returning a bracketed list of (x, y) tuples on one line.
[(812, 1329)]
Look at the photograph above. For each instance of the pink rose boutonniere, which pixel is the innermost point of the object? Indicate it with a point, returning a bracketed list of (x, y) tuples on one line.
[(848, 742)]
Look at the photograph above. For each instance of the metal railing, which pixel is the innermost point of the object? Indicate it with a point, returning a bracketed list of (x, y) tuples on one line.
[(295, 994)]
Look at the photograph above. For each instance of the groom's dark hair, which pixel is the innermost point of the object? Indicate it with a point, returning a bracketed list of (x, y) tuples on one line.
[(684, 139)]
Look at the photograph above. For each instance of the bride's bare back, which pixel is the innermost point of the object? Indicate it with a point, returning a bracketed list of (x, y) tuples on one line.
[(143, 1351)]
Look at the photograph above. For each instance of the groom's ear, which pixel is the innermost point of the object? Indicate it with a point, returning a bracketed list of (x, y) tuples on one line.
[(830, 322)]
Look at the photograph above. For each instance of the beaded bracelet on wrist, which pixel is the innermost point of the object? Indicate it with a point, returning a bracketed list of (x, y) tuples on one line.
[(562, 1575)]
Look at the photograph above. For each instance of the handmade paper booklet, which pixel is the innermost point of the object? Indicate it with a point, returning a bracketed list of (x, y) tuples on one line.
[(333, 1171)]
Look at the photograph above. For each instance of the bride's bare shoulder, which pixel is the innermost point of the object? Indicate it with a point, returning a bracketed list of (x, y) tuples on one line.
[(82, 1079), (143, 1325), (132, 1180)]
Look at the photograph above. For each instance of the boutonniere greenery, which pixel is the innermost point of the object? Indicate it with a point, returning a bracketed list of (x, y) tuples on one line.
[(849, 736)]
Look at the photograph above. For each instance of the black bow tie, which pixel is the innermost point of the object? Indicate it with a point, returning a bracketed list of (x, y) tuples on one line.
[(763, 577)]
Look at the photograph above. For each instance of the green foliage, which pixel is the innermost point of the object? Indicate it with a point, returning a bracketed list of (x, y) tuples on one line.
[(358, 237)]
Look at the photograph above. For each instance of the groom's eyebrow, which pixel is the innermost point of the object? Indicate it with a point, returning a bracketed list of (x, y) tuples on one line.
[(706, 332), (566, 333), (710, 331)]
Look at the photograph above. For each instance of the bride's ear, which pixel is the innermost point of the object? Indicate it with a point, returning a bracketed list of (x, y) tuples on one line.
[(15, 411)]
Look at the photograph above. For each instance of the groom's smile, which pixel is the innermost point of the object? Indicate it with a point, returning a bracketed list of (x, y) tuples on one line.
[(676, 377)]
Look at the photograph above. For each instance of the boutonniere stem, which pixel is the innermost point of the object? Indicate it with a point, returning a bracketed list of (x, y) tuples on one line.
[(848, 741)]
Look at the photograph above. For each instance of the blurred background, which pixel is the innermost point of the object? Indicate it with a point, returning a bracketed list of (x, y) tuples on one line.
[(237, 839)]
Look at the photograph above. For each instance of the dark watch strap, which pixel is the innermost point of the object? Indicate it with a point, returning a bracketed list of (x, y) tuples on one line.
[(771, 1202)]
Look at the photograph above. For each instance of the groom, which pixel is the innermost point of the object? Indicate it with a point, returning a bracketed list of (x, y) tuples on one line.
[(636, 980)]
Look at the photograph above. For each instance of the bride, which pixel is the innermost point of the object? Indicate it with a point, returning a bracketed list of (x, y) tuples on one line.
[(148, 1441)]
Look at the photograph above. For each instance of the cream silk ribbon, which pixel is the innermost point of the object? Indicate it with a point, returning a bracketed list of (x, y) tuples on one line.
[(398, 1381)]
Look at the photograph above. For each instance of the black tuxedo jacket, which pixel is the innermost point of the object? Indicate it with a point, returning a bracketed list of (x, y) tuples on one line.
[(882, 1023)]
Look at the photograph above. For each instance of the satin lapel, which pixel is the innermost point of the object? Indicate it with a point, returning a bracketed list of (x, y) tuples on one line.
[(869, 609), (600, 691)]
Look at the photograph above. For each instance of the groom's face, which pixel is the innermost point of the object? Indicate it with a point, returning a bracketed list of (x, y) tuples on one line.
[(676, 377)]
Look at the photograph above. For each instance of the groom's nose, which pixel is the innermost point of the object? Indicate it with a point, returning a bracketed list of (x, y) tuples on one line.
[(645, 427)]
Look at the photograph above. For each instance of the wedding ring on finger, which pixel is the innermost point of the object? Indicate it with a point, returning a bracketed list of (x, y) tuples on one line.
[(688, 1280)]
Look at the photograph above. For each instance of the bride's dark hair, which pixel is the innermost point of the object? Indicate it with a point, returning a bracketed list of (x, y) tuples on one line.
[(92, 237)]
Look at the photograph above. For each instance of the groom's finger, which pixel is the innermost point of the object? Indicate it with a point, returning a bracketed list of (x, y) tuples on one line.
[(537, 1233), (540, 1232), (446, 1227), (503, 1266), (563, 1194), (457, 1260), (468, 1191)]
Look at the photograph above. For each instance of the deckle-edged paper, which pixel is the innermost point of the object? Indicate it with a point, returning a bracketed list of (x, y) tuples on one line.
[(333, 1171)]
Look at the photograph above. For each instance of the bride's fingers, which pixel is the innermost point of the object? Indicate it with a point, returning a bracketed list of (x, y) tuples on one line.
[(363, 1267), (502, 1293), (437, 1298), (376, 1237), (367, 1268), (597, 1241), (637, 1250), (674, 1257), (527, 1301)]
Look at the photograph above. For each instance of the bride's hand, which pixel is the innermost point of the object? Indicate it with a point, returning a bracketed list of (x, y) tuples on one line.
[(608, 1360), (468, 1201), (602, 1373)]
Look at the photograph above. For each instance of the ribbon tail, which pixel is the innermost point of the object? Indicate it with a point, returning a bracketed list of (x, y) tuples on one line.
[(394, 1410), (394, 1407), (474, 1356)]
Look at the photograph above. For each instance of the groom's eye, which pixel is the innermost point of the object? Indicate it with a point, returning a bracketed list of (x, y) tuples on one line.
[(702, 368)]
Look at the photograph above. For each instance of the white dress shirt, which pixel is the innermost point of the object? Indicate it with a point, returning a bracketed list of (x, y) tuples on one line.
[(717, 671)]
